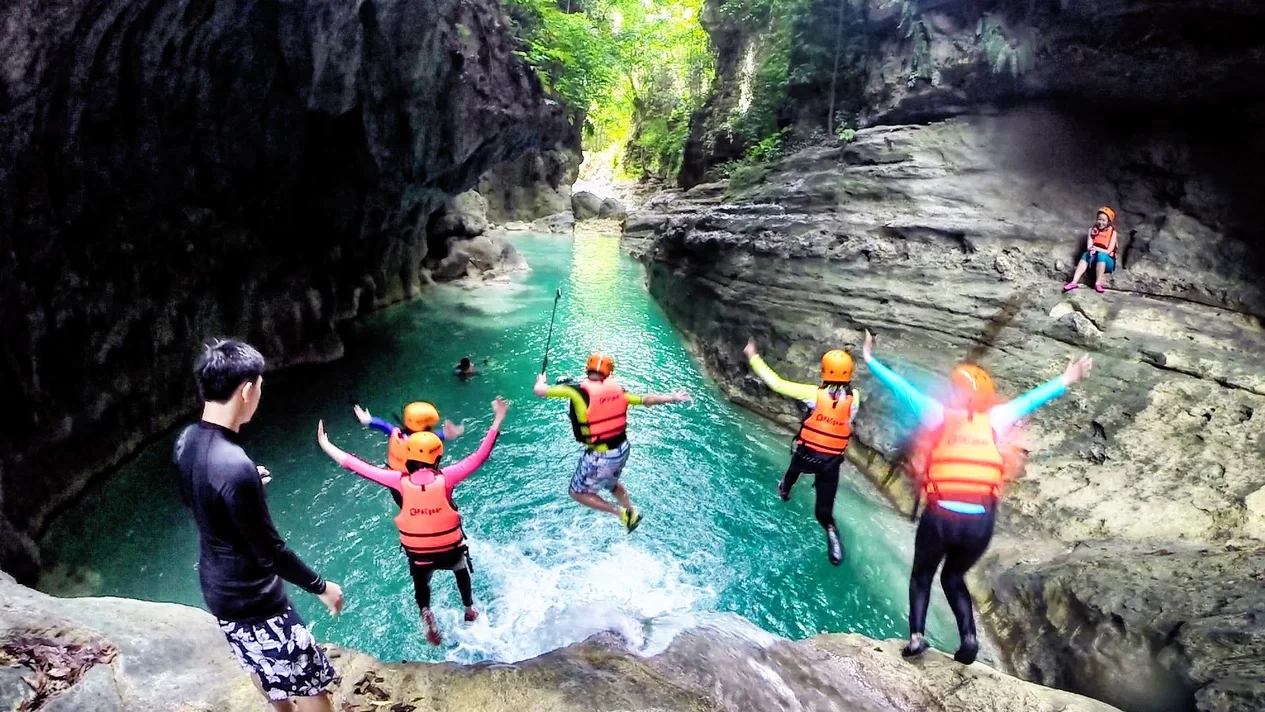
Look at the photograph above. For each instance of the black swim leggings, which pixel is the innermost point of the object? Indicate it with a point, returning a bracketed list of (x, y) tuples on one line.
[(959, 540), (421, 574), (826, 482)]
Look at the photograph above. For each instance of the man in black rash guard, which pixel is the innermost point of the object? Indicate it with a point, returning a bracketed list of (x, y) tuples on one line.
[(242, 561)]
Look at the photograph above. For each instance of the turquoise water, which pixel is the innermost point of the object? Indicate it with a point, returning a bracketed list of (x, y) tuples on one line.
[(548, 572)]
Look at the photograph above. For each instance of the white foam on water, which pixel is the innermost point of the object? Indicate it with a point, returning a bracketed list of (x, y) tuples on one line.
[(551, 594)]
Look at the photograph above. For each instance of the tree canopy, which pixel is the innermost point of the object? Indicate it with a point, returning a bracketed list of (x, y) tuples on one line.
[(633, 69)]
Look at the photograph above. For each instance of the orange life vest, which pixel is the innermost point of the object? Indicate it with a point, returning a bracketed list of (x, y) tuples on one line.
[(1102, 238), (397, 452), (966, 463), (829, 427), (607, 411), (428, 521)]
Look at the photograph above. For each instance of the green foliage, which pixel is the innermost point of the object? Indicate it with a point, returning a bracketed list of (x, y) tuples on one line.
[(744, 177), (847, 134), (768, 148), (636, 68), (999, 52)]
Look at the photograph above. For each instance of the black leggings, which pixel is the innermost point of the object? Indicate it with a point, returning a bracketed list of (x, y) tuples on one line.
[(959, 540), (421, 573), (826, 469)]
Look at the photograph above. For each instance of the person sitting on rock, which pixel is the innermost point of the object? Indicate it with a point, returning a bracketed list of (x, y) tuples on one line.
[(429, 524), (823, 436), (1100, 250), (961, 474)]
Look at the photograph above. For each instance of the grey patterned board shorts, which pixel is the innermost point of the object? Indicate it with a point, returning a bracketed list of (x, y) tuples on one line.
[(599, 470), (282, 653)]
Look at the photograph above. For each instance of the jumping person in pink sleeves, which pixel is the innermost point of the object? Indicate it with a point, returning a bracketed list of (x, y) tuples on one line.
[(429, 524)]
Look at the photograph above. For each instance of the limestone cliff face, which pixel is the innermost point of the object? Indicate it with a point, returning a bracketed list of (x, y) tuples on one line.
[(954, 239), (175, 170), (1128, 560), (131, 656), (1124, 61), (534, 186)]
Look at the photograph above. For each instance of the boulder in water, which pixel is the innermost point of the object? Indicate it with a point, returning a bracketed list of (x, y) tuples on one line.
[(612, 209), (483, 257), (555, 224), (585, 205), (465, 215)]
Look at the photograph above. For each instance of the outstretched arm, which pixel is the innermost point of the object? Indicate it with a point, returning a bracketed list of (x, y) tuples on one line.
[(657, 398), (799, 391), (929, 412), (366, 419), (1004, 416), (384, 477), (454, 474), (541, 388)]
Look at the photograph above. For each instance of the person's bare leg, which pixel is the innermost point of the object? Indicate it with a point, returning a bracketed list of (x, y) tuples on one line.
[(282, 706), (1102, 273), (316, 703), (621, 495), (593, 501), (1080, 272)]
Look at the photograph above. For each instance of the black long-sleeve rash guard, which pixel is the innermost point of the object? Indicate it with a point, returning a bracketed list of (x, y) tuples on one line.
[(242, 559)]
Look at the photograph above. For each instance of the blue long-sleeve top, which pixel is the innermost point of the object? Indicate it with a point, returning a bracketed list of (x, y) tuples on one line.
[(930, 412), (389, 428)]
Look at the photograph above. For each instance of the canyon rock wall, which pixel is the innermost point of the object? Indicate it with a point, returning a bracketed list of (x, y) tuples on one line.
[(953, 240), (1129, 557), (175, 170)]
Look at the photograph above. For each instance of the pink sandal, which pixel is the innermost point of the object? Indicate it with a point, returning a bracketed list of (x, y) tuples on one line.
[(1099, 288), (1070, 286)]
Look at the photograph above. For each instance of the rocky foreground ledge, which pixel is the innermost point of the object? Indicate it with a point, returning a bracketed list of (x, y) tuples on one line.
[(112, 655)]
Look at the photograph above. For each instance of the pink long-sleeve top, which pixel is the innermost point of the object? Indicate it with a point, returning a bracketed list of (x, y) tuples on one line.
[(453, 474)]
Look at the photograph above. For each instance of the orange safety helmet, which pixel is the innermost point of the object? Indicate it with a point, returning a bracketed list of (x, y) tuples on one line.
[(1111, 214), (420, 416), (974, 386), (836, 367), (600, 363), (424, 447)]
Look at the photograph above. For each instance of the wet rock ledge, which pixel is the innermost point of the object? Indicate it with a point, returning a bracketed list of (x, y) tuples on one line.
[(147, 657)]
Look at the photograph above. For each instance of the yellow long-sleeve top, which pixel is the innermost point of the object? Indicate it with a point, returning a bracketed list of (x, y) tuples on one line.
[(806, 393)]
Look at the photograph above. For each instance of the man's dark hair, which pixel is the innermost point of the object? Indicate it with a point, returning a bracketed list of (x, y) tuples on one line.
[(465, 363), (224, 366)]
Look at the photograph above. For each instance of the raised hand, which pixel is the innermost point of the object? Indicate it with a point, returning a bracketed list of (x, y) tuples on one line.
[(452, 431), (499, 408), (867, 350), (264, 475), (1077, 369), (749, 349), (362, 414)]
